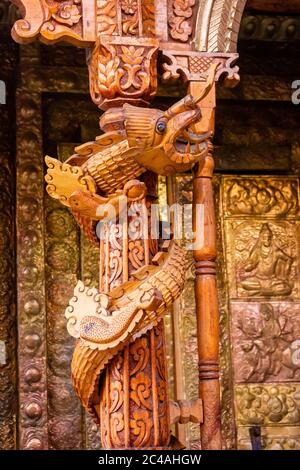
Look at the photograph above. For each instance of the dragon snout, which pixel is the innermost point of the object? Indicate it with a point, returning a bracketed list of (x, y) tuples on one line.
[(187, 146)]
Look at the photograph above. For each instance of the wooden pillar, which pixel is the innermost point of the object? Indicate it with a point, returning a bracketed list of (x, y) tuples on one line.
[(206, 294)]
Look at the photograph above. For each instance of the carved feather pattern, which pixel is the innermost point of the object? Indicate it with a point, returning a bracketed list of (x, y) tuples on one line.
[(224, 25), (218, 25)]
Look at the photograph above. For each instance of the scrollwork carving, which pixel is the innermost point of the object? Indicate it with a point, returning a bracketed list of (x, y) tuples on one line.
[(51, 21), (180, 19), (194, 66)]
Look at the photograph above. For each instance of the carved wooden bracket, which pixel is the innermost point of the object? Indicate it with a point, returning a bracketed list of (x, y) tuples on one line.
[(125, 38), (212, 25), (192, 66)]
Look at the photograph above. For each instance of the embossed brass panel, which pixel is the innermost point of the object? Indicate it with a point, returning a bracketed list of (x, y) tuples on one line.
[(261, 234), (262, 258), (258, 284), (266, 343), (261, 404)]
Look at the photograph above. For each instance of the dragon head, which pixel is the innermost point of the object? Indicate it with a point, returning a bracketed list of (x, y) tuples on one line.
[(164, 141)]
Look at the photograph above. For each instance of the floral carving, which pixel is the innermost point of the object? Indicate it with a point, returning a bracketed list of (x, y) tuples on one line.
[(129, 6), (131, 16), (132, 64), (140, 392), (180, 19), (141, 425), (106, 16), (119, 71), (115, 255), (148, 14)]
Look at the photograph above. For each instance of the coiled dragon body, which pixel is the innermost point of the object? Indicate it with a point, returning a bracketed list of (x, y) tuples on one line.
[(91, 183)]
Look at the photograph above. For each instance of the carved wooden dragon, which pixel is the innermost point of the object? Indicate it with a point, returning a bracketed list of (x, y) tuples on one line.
[(94, 181), (106, 323)]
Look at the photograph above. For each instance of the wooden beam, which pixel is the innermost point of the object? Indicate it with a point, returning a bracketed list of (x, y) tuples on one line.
[(274, 6)]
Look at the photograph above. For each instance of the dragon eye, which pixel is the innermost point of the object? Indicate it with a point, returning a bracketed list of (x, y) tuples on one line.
[(161, 127)]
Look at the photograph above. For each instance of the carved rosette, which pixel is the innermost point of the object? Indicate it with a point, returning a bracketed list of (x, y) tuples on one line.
[(123, 71), (127, 17)]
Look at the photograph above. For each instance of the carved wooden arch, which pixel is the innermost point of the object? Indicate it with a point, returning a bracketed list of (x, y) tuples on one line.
[(218, 25)]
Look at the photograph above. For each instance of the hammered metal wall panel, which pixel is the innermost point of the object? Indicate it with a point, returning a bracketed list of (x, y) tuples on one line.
[(8, 330), (7, 301), (265, 197), (262, 258), (62, 270), (33, 419), (258, 285)]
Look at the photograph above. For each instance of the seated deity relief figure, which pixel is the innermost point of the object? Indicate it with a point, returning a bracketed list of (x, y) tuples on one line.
[(267, 269)]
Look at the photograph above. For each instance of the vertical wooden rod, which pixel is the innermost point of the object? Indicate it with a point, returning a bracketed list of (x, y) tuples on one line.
[(206, 294)]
